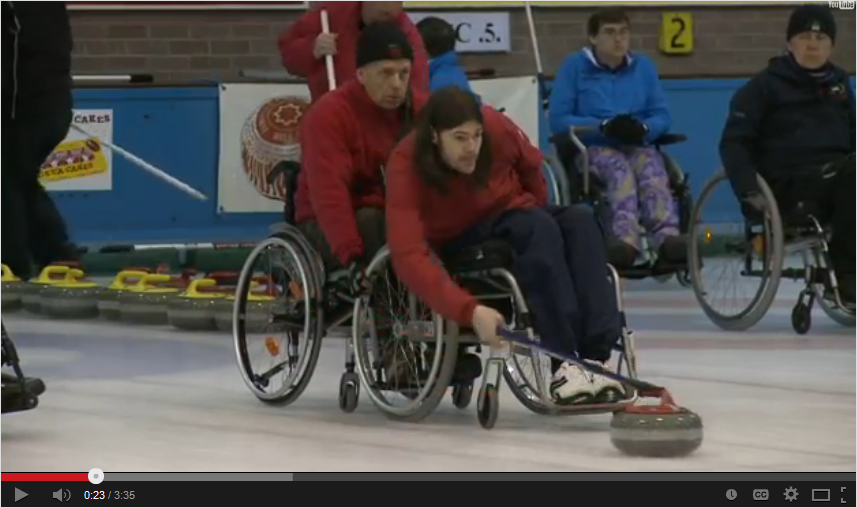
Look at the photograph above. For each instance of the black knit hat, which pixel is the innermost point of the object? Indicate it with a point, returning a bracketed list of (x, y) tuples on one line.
[(383, 41), (812, 18)]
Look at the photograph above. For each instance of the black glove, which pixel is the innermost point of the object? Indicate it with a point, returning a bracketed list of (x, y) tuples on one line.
[(625, 129)]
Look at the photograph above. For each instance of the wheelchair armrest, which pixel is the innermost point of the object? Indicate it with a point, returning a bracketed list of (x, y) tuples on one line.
[(670, 139)]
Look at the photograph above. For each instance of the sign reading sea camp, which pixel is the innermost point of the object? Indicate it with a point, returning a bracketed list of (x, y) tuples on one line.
[(81, 162)]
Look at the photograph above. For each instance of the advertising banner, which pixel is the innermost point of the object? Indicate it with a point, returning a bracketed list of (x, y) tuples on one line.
[(82, 163), (259, 127)]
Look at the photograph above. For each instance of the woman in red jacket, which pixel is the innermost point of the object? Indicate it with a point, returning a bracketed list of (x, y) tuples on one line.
[(467, 174)]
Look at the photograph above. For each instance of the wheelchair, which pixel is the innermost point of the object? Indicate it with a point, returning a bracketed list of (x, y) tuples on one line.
[(761, 248), (20, 393), (284, 308), (577, 185), (485, 271)]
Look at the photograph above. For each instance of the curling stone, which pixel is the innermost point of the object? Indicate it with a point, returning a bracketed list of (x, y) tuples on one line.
[(660, 431), (12, 288), (258, 312), (193, 310), (108, 301), (72, 298), (145, 303), (30, 295)]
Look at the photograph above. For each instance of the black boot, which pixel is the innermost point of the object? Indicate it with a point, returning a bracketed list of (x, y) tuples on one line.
[(673, 250), (621, 255)]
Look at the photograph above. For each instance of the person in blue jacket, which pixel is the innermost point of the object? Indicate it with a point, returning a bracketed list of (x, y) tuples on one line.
[(615, 95), (439, 39)]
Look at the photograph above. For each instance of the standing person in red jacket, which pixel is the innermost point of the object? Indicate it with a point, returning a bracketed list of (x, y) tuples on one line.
[(346, 139), (303, 46), (468, 174)]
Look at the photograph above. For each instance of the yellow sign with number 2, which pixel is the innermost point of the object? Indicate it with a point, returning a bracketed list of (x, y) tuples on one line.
[(676, 33)]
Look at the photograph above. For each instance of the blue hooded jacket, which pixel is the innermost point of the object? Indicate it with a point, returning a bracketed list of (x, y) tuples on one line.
[(585, 93), (444, 71)]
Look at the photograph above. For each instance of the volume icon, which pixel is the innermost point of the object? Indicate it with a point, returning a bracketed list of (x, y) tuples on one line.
[(62, 495)]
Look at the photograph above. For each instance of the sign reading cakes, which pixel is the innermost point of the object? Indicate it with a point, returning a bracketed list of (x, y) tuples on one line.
[(81, 162), (270, 136)]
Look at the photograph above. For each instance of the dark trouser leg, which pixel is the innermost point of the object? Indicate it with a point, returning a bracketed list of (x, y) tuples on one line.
[(586, 259), (843, 250), (371, 226), (40, 231), (540, 270)]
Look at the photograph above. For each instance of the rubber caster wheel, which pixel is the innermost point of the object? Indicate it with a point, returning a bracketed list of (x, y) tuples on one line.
[(802, 318), (349, 392), (488, 406), (462, 395)]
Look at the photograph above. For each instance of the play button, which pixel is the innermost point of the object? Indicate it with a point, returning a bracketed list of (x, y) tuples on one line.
[(20, 494)]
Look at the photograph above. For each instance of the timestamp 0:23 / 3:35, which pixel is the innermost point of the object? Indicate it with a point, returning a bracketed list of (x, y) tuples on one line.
[(106, 495)]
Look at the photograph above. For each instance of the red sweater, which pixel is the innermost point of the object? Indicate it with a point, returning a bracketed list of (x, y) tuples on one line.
[(419, 217), (296, 47), (346, 140)]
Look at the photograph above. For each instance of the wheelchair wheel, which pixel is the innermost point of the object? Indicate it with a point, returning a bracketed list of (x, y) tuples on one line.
[(278, 363), (401, 355), (739, 258), (522, 372)]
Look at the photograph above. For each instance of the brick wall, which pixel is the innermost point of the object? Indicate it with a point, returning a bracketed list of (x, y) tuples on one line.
[(180, 45)]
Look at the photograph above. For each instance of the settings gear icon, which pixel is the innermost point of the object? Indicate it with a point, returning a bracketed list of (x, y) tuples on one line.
[(791, 494)]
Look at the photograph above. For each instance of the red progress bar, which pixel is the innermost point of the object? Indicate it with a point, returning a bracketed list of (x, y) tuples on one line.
[(44, 477)]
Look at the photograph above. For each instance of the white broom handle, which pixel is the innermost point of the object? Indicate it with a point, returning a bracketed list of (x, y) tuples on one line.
[(178, 184), (328, 59), (533, 38)]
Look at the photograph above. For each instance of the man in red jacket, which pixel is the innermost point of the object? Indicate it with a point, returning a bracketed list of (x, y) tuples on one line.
[(467, 175), (303, 46), (346, 139)]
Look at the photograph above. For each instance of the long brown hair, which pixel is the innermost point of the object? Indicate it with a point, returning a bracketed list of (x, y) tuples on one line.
[(447, 109)]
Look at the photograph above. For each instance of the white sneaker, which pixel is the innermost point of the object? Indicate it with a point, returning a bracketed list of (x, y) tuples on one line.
[(606, 389), (572, 385)]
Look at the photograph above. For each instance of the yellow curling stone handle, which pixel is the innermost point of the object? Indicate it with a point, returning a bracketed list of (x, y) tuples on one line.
[(148, 281), (122, 278), (49, 273), (193, 292), (72, 280)]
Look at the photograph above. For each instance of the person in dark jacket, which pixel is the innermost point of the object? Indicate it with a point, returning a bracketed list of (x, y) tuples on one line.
[(439, 38), (37, 113), (794, 124), (468, 174), (303, 46)]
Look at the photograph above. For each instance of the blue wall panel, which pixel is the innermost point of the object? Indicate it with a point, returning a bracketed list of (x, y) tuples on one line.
[(177, 130)]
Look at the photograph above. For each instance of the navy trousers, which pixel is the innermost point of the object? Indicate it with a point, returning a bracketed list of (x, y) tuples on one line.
[(561, 267)]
